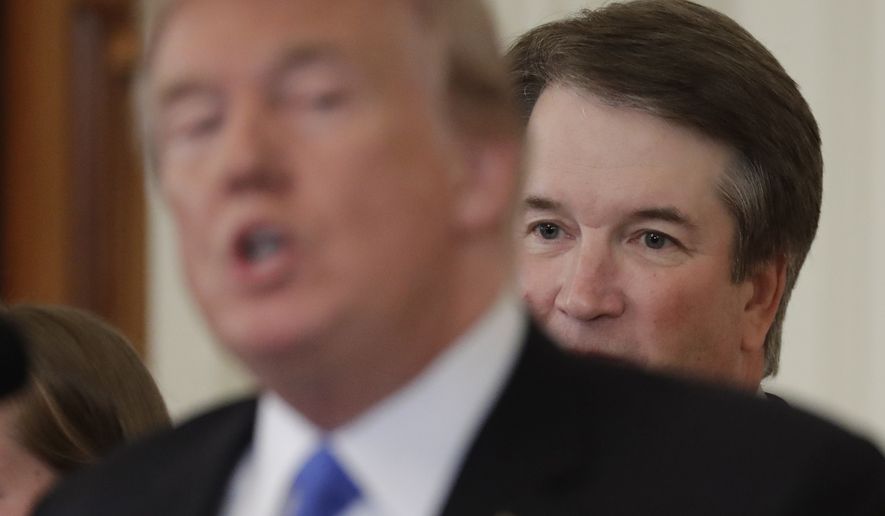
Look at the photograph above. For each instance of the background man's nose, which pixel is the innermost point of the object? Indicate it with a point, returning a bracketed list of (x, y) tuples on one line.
[(590, 288)]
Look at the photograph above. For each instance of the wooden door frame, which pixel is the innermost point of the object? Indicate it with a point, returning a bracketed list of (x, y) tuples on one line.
[(73, 211)]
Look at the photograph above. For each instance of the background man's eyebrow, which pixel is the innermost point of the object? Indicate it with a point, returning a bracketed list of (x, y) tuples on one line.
[(534, 202), (666, 213)]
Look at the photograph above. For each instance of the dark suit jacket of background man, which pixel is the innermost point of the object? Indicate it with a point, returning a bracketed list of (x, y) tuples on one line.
[(567, 437)]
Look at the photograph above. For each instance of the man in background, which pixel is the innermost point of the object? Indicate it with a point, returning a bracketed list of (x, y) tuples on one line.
[(343, 177), (674, 188)]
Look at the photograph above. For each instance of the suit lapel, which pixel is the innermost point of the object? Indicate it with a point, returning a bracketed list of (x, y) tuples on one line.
[(211, 461), (511, 467)]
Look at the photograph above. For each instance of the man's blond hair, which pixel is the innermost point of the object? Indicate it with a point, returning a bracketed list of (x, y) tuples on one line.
[(477, 81)]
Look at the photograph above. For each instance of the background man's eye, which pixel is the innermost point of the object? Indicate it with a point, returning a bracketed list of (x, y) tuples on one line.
[(548, 231), (655, 240)]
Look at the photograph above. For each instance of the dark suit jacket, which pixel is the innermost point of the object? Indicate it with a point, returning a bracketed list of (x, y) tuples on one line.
[(774, 398), (568, 436)]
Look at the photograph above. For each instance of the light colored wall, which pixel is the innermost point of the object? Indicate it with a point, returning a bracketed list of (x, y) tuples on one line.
[(834, 358), (188, 367)]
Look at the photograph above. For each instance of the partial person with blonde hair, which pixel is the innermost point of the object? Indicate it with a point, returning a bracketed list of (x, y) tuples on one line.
[(87, 393)]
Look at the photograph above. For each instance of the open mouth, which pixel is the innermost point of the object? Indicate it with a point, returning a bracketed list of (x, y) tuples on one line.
[(261, 244)]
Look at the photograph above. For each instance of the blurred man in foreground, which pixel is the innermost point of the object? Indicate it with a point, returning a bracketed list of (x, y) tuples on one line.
[(674, 188), (343, 175)]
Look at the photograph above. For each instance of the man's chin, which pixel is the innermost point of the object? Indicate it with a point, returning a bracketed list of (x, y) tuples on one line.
[(609, 354), (609, 349), (260, 340), (262, 325)]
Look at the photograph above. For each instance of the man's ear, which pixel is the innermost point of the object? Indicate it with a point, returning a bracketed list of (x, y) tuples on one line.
[(487, 184), (765, 290)]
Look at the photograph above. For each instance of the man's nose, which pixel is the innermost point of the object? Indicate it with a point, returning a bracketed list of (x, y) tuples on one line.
[(591, 284), (249, 159)]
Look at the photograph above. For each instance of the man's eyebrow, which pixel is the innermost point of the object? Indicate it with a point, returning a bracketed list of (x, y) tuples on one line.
[(534, 202), (302, 57), (179, 90), (291, 60), (664, 213)]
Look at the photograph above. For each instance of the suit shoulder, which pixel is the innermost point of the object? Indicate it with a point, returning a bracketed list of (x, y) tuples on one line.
[(140, 478), (631, 394), (607, 420)]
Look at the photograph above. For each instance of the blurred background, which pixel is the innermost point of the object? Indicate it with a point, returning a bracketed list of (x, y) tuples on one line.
[(75, 227)]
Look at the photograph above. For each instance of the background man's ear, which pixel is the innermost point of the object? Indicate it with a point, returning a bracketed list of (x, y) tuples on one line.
[(767, 285)]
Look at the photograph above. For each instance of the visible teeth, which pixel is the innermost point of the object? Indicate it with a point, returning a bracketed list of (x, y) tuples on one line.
[(262, 244)]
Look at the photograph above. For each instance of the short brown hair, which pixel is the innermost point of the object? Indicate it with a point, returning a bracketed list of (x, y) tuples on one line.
[(87, 391), (698, 68)]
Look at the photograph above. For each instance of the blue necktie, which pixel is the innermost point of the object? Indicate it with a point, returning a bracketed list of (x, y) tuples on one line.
[(322, 488)]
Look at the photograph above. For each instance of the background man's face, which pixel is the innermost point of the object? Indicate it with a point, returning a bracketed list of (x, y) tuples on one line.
[(626, 247), (301, 150)]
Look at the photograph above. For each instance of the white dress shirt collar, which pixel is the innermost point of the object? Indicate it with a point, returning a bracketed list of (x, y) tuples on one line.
[(405, 452)]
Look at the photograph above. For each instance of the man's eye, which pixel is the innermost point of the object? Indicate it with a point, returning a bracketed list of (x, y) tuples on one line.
[(201, 126), (191, 121), (548, 231), (327, 101), (654, 240)]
